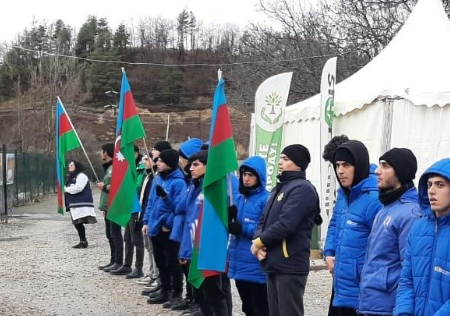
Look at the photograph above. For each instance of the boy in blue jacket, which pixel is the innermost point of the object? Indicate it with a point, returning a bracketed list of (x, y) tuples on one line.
[(165, 194), (244, 216), (387, 240), (424, 288), (361, 205)]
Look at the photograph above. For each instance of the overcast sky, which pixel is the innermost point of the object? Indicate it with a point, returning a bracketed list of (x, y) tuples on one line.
[(18, 14)]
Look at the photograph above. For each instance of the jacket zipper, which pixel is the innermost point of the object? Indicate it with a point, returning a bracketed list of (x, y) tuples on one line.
[(436, 232)]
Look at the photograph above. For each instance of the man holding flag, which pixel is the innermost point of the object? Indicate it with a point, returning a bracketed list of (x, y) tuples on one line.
[(209, 255)]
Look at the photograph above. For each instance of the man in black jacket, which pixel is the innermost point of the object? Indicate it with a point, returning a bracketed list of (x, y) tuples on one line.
[(282, 240)]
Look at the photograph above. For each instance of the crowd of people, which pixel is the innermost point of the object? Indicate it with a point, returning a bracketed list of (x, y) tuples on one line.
[(387, 246)]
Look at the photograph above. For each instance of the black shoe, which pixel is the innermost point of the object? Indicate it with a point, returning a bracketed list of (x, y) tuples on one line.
[(193, 308), (136, 273), (152, 290), (81, 244), (175, 300), (121, 270), (182, 305), (161, 298), (194, 313), (115, 266), (105, 266)]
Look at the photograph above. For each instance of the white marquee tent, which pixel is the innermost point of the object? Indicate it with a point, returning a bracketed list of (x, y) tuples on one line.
[(400, 99)]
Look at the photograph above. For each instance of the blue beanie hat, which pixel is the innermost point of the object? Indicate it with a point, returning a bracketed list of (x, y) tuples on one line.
[(190, 147)]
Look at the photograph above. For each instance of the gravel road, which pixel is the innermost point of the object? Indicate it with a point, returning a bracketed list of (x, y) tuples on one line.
[(40, 273)]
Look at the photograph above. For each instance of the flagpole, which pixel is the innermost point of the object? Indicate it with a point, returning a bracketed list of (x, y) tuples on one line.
[(168, 124), (149, 157), (78, 137)]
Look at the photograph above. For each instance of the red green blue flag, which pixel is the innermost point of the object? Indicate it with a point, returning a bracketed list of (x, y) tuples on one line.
[(66, 140), (210, 246), (122, 194)]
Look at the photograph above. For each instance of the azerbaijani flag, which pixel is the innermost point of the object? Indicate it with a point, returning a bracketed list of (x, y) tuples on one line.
[(122, 194), (66, 140), (211, 240)]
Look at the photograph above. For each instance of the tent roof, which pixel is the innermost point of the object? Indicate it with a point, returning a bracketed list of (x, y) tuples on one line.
[(414, 66)]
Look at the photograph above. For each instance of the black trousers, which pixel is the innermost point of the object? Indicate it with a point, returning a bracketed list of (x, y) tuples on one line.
[(114, 236), (189, 287), (166, 258), (254, 298), (339, 311), (214, 296), (134, 239), (285, 294)]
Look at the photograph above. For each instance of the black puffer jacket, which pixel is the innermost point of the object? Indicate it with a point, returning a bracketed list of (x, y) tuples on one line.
[(286, 227)]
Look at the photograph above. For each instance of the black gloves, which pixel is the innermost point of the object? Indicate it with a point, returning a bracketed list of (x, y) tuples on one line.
[(160, 191), (232, 213), (234, 228)]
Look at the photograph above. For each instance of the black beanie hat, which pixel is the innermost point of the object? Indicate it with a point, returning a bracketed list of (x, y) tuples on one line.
[(109, 149), (404, 163), (343, 154), (170, 157), (162, 145), (299, 155)]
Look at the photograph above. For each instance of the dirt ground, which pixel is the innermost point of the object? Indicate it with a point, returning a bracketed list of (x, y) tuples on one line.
[(40, 273)]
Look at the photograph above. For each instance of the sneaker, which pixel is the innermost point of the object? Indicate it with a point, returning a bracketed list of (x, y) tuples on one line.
[(144, 281)]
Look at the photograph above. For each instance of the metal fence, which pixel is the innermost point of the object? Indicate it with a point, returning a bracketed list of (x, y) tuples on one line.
[(28, 177)]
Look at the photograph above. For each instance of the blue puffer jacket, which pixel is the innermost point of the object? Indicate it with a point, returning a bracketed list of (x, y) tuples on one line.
[(339, 210), (355, 226), (424, 288), (179, 216), (194, 199), (160, 212), (385, 254), (243, 265)]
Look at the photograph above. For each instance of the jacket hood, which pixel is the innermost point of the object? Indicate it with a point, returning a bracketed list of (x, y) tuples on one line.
[(361, 160), (258, 164), (441, 168), (190, 147)]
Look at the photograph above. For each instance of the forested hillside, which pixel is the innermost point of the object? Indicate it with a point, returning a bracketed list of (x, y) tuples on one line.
[(172, 63)]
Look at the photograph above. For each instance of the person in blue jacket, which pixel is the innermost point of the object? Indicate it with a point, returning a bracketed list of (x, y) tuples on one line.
[(338, 210), (186, 151), (282, 239), (165, 194), (387, 241), (361, 204), (244, 268), (214, 294), (424, 288)]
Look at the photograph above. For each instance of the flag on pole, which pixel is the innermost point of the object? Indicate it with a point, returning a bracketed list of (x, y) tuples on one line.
[(122, 194), (211, 240), (66, 140)]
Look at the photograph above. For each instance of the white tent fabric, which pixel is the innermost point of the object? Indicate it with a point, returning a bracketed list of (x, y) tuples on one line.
[(400, 99)]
